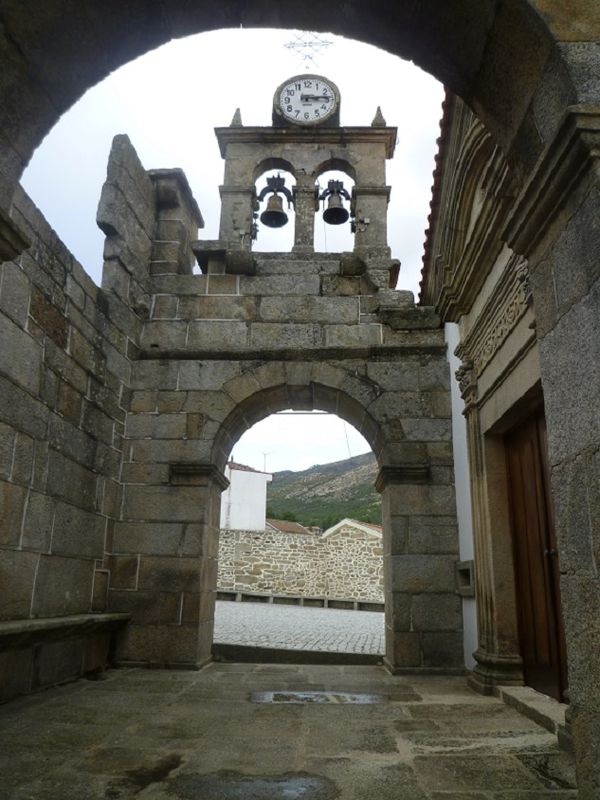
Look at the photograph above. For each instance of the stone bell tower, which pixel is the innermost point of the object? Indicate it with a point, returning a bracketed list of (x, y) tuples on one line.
[(305, 139), (258, 333)]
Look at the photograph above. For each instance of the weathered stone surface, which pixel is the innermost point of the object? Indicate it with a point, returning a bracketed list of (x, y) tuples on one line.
[(218, 307), (164, 335), (172, 575), (404, 648), (50, 318), (17, 577), (164, 503), (63, 586), (58, 661), (423, 573), (7, 444), (205, 375), (124, 572), (39, 518), (15, 673), (156, 426), (222, 284), (154, 374), (363, 335), (279, 336), (77, 532), (170, 451), (308, 309), (70, 481), (147, 607), (147, 538), (433, 535), (428, 430), (566, 352), (20, 356), (399, 614), (395, 536), (14, 293), (134, 472), (280, 285), (167, 645), (215, 335), (419, 500), (437, 612), (403, 377), (100, 591), (12, 506)]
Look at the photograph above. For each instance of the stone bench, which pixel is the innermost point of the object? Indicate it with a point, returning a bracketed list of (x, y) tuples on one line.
[(37, 653)]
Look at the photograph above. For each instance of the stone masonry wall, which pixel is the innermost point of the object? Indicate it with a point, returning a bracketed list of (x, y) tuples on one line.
[(121, 405), (64, 372), (346, 565)]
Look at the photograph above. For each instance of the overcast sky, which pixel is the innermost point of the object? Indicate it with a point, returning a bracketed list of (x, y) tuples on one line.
[(169, 102)]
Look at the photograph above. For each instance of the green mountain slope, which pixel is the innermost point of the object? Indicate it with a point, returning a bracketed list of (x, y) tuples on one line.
[(326, 493)]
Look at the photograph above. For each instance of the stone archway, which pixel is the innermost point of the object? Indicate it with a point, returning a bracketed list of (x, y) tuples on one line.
[(528, 70), (423, 631)]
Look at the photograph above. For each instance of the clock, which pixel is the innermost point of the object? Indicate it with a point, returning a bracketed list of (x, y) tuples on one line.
[(306, 100)]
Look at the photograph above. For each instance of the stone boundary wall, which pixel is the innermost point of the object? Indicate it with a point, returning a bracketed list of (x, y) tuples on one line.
[(345, 565), (64, 369), (65, 365)]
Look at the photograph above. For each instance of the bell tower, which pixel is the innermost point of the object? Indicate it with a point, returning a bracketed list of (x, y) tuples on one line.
[(306, 140)]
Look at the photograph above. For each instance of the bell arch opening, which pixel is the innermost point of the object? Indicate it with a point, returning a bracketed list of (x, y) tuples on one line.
[(333, 224), (274, 215)]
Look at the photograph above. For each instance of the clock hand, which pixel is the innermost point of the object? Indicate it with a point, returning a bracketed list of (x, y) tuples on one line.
[(306, 97)]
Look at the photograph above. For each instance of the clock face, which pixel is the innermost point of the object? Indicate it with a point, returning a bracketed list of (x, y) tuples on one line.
[(307, 99)]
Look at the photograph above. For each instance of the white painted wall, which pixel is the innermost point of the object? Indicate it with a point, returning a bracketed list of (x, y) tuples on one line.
[(463, 492), (244, 503)]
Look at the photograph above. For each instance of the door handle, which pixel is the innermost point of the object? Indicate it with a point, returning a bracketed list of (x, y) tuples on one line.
[(550, 552)]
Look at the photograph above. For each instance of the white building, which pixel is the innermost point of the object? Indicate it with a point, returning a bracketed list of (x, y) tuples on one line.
[(244, 503)]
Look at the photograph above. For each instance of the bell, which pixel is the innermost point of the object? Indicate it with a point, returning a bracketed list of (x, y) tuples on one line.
[(335, 213), (274, 216)]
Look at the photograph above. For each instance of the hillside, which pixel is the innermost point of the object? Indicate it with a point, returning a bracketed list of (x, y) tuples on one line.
[(326, 493)]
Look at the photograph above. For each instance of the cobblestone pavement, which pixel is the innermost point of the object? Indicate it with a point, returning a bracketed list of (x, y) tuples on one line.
[(184, 735), (299, 627)]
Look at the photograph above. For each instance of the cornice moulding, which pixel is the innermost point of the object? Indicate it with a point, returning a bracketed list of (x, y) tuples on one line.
[(558, 171)]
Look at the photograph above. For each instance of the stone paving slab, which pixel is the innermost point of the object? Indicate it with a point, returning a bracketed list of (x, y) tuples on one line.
[(160, 735), (299, 628)]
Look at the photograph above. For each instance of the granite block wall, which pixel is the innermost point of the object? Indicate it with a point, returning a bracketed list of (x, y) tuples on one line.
[(345, 565), (64, 372)]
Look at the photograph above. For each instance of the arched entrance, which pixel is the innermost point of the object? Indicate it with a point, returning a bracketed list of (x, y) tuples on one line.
[(420, 543), (523, 72)]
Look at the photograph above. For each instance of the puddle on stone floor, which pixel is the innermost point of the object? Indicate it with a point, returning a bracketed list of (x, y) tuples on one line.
[(320, 698), (234, 786)]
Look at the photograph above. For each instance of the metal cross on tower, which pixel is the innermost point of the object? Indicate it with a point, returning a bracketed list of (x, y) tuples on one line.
[(308, 45)]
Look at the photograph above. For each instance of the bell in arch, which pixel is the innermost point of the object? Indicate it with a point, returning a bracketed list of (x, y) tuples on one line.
[(274, 216), (335, 213)]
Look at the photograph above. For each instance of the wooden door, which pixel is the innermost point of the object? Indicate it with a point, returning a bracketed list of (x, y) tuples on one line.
[(541, 632)]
